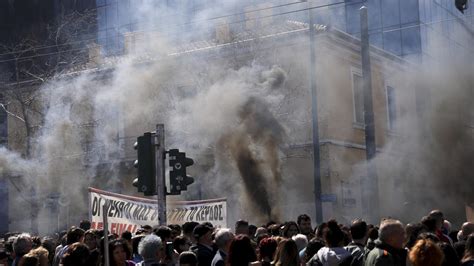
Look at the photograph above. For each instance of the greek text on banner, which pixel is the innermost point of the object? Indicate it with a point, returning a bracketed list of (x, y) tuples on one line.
[(127, 213)]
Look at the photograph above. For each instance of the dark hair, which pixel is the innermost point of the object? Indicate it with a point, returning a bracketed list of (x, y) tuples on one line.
[(135, 242), (431, 236), (469, 249), (179, 241), (163, 232), (267, 248), (85, 225), (127, 235), (373, 233), (35, 242), (319, 230), (241, 223), (303, 217), (414, 233), (451, 258), (115, 244), (333, 235), (287, 226), (252, 229), (241, 251), (188, 227), (430, 223), (188, 257), (287, 253), (358, 229), (274, 230), (76, 254), (175, 228), (74, 235), (314, 245), (208, 224)]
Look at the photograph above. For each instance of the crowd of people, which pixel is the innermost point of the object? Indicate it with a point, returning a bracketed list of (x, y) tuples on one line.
[(431, 242)]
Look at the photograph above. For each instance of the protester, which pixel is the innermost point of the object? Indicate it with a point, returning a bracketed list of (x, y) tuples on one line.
[(42, 255), (287, 254), (260, 234), (181, 244), (175, 230), (188, 229), (314, 245), (127, 236), (164, 232), (223, 239), (119, 253), (91, 241), (468, 257), (203, 248), (466, 229), (152, 250), (188, 258), (359, 235), (242, 228), (3, 258), (76, 254), (304, 224), (318, 231), (267, 248), (85, 225), (373, 236), (290, 229), (425, 253), (136, 257), (389, 249), (413, 232), (252, 231), (301, 241), (74, 235), (29, 260), (21, 246), (274, 230), (333, 253), (439, 218), (241, 252)]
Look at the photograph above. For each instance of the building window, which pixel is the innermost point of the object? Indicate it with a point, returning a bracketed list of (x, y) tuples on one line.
[(358, 92), (391, 107)]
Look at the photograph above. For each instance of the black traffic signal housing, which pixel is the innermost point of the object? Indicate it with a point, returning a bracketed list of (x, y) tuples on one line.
[(179, 181), (461, 5), (145, 164)]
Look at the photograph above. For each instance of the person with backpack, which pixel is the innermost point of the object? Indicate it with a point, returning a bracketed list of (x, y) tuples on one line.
[(359, 233), (334, 253)]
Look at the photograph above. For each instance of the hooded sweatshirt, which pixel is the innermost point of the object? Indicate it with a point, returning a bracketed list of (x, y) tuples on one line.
[(332, 256)]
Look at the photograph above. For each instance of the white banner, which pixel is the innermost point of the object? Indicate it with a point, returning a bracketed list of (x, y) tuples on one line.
[(127, 213)]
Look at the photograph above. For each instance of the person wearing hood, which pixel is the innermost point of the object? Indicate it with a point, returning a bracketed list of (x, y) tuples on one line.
[(333, 254), (389, 248)]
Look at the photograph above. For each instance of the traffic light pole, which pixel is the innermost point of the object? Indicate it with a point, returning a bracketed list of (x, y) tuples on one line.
[(160, 173)]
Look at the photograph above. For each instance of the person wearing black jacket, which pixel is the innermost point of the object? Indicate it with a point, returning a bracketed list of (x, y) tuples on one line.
[(203, 248), (359, 233)]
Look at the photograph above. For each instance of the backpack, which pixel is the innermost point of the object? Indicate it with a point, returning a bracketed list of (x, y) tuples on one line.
[(358, 254)]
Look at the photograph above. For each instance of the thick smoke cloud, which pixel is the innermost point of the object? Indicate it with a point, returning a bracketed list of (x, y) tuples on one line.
[(225, 115), (427, 165)]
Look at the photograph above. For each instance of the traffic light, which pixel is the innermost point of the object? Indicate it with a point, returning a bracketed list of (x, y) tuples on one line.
[(179, 181), (145, 164), (461, 5)]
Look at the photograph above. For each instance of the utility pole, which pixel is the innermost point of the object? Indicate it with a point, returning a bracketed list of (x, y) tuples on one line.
[(160, 173), (371, 182), (314, 107)]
